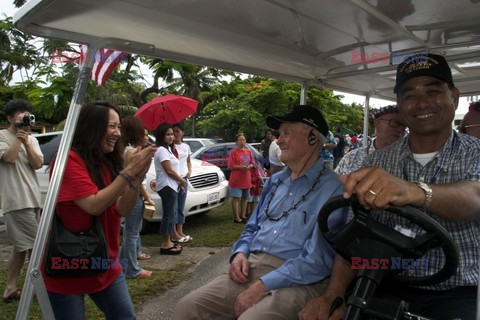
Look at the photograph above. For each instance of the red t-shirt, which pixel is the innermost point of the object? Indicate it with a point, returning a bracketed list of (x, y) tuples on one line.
[(77, 184), (240, 178), (256, 188)]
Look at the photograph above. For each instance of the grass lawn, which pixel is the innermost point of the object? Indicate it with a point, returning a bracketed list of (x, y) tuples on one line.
[(214, 229)]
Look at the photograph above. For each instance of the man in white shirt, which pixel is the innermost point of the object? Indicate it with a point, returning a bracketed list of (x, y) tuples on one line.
[(20, 155), (274, 153)]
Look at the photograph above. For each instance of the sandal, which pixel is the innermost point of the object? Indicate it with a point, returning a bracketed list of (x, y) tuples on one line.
[(171, 251), (15, 295), (144, 274), (184, 239), (143, 256)]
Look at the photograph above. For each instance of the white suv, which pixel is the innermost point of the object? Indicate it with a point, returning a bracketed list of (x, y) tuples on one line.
[(207, 187)]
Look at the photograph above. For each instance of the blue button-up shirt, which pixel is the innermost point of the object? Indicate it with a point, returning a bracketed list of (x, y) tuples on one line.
[(295, 238)]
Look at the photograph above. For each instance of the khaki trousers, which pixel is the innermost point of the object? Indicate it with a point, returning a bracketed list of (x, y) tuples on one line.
[(216, 300)]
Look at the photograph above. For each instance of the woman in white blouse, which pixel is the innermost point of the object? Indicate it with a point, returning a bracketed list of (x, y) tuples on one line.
[(182, 152), (169, 183)]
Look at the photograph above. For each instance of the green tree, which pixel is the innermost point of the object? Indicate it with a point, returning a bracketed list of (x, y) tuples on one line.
[(16, 51), (243, 104), (184, 79)]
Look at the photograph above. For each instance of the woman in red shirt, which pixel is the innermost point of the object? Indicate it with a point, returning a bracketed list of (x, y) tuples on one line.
[(240, 162), (94, 185)]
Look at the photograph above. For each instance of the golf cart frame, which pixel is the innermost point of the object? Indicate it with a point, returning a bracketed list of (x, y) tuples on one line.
[(352, 46)]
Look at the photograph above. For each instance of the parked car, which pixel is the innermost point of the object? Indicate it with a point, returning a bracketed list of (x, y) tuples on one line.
[(207, 187), (256, 145), (197, 143), (217, 155)]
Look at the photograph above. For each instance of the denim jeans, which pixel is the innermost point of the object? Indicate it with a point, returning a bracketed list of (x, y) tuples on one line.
[(114, 302), (169, 204), (182, 198), (131, 234)]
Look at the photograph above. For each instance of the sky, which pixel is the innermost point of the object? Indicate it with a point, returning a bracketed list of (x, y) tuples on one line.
[(8, 9)]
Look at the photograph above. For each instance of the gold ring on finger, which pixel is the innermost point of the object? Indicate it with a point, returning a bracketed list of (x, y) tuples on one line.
[(373, 193)]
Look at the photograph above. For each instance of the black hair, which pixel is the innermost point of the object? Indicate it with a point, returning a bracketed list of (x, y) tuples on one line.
[(133, 131), (160, 134), (17, 105), (179, 126), (91, 128), (238, 135)]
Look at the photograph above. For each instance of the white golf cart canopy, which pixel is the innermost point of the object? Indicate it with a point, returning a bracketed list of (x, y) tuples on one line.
[(333, 43), (351, 46)]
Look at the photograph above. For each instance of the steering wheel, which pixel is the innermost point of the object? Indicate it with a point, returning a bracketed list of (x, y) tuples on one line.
[(364, 231)]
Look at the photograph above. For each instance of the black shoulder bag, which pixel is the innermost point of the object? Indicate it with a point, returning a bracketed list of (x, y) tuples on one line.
[(76, 253)]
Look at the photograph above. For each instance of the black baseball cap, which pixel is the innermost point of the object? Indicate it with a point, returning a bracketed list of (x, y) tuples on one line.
[(432, 65), (301, 113)]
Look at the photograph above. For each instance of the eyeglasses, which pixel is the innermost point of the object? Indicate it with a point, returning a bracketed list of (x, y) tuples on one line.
[(474, 106), (393, 123), (472, 125)]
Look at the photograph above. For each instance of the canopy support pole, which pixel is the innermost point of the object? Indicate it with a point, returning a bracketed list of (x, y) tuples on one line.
[(34, 279), (303, 94), (365, 120)]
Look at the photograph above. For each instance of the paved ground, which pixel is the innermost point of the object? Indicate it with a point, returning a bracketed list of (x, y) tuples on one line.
[(161, 307)]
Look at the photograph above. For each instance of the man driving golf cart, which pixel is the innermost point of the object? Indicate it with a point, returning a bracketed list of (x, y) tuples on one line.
[(433, 168)]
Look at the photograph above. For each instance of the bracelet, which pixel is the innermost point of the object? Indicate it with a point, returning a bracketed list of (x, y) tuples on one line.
[(129, 180)]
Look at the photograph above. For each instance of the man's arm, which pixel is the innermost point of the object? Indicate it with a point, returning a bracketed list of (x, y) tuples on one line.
[(11, 153), (457, 201), (34, 154), (318, 308)]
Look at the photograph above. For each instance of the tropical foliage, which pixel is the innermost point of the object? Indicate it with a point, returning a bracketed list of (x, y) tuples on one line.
[(228, 102)]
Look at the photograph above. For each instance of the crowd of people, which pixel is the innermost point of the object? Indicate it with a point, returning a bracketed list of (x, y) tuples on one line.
[(281, 267)]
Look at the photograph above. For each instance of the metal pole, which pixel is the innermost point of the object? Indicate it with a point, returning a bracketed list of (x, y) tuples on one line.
[(303, 94), (365, 120), (33, 279)]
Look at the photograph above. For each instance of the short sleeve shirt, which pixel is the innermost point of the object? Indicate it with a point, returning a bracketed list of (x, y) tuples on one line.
[(77, 184), (19, 188), (163, 179), (184, 152), (459, 159), (241, 179)]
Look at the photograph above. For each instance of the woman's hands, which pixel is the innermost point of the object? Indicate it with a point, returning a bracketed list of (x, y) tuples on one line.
[(138, 162), (182, 184)]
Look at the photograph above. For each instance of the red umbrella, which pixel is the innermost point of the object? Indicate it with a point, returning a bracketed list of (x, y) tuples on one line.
[(171, 108)]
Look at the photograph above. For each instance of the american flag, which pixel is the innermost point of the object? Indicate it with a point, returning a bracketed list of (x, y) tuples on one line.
[(104, 63)]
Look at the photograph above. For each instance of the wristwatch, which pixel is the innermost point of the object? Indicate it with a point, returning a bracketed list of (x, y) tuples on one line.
[(428, 193)]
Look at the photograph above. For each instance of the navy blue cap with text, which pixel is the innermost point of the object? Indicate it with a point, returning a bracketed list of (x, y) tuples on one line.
[(301, 113), (432, 65)]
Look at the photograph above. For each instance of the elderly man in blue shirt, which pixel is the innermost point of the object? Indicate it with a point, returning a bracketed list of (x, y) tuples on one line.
[(281, 260)]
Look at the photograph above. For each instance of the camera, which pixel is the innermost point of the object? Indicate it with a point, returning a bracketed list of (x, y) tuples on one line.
[(27, 121)]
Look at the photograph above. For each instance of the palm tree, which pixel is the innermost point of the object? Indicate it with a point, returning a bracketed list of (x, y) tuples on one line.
[(185, 79)]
